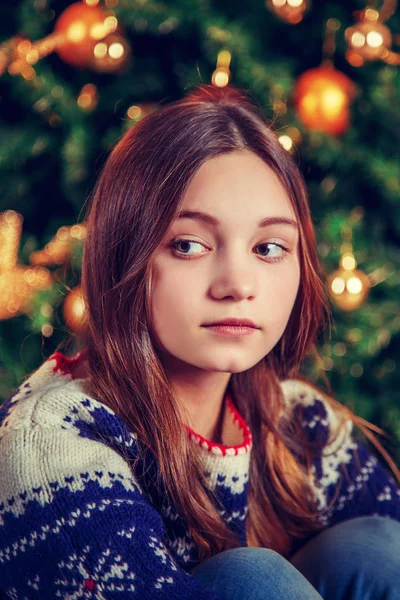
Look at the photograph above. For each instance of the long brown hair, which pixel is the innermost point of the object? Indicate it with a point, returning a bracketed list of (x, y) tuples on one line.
[(136, 198)]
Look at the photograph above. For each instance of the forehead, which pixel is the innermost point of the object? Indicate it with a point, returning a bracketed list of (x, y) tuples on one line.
[(237, 185)]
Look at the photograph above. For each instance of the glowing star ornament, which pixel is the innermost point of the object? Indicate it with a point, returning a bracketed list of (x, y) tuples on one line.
[(322, 98), (82, 26), (349, 286), (59, 249), (17, 283), (291, 11)]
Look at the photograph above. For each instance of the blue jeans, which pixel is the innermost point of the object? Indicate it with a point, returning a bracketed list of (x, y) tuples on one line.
[(357, 559)]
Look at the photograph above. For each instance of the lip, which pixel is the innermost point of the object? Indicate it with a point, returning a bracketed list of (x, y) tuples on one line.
[(233, 323), (231, 330)]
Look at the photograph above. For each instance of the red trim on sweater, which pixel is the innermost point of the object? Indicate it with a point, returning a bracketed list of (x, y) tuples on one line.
[(67, 365), (222, 449)]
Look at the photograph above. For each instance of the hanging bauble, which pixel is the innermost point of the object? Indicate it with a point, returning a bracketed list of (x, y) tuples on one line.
[(74, 310), (291, 11), (322, 97), (111, 55), (81, 27), (369, 39), (349, 286)]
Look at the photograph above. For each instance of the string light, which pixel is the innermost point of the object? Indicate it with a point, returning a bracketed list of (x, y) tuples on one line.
[(138, 111), (221, 75), (290, 138), (88, 97)]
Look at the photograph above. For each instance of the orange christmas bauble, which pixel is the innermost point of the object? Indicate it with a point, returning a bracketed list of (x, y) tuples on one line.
[(322, 97), (81, 26), (74, 310)]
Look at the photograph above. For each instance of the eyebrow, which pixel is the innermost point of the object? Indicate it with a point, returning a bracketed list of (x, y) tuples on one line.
[(210, 220)]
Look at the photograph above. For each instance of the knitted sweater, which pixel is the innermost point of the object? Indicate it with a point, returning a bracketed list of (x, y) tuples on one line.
[(75, 523)]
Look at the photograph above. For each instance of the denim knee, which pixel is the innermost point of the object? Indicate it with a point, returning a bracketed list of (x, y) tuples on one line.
[(361, 553), (254, 574), (362, 539)]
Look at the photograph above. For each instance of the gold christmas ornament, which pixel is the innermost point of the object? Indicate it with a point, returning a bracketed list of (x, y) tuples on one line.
[(369, 39), (111, 55), (290, 11), (17, 283), (74, 310), (349, 286), (322, 98)]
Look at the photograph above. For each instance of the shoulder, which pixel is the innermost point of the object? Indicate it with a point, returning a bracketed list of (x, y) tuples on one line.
[(53, 435), (53, 397), (323, 418)]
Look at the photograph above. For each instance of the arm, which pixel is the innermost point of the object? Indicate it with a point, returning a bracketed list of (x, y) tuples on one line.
[(75, 524), (364, 485), (345, 473)]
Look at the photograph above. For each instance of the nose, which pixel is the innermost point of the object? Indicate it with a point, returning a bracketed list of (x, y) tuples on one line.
[(234, 276)]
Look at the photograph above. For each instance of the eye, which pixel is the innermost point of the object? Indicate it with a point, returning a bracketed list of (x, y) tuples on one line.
[(274, 251), (175, 243)]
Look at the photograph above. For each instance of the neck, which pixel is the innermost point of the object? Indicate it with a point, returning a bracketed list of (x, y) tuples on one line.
[(201, 401)]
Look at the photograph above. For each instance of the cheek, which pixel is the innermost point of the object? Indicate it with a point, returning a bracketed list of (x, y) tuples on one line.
[(174, 299), (281, 290)]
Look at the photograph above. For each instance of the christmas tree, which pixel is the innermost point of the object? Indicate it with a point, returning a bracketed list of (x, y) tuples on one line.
[(75, 77)]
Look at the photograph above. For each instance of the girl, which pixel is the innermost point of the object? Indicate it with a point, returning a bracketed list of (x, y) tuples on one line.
[(173, 458)]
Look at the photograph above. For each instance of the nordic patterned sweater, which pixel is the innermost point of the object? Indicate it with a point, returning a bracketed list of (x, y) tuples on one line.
[(75, 523)]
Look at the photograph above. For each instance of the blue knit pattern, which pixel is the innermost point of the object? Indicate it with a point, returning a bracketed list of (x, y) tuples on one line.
[(76, 523)]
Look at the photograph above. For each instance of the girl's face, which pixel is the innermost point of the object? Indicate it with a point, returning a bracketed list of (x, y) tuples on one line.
[(233, 268)]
